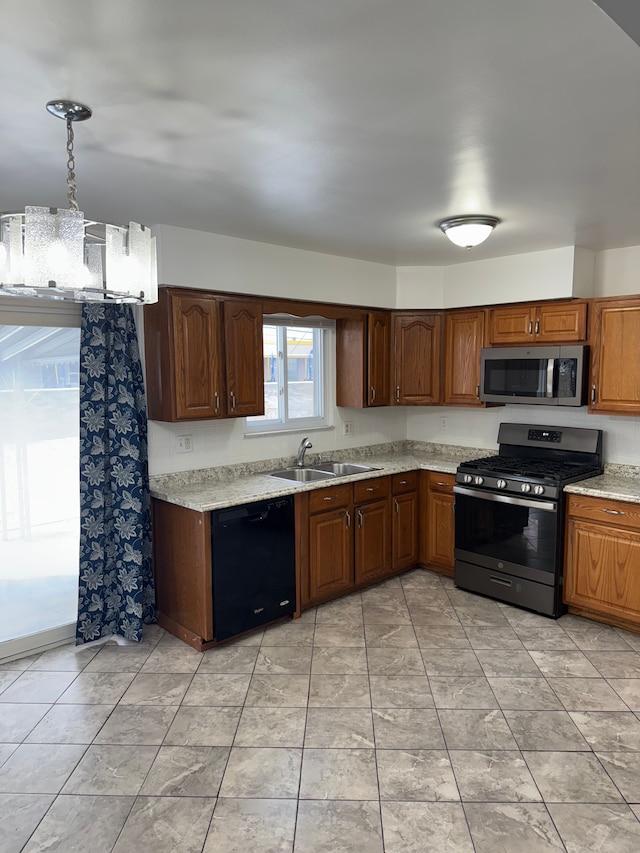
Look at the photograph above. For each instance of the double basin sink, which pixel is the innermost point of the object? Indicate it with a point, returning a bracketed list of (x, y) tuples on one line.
[(322, 471)]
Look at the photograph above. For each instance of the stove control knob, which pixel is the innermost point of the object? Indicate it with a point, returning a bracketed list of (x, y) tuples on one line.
[(525, 487), (478, 480), (501, 484), (467, 478), (538, 490)]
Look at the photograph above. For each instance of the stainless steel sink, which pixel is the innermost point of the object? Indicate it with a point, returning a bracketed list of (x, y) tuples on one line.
[(343, 469), (302, 475)]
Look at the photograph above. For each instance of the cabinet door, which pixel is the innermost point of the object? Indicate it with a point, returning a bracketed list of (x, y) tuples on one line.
[(404, 534), (561, 322), (437, 549), (244, 358), (196, 357), (372, 541), (379, 359), (601, 569), (417, 339), (615, 366), (464, 339), (512, 324), (330, 554)]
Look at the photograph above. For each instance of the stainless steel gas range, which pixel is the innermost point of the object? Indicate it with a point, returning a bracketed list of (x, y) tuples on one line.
[(509, 513)]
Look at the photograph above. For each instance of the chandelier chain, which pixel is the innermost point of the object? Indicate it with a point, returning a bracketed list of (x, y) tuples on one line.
[(71, 164)]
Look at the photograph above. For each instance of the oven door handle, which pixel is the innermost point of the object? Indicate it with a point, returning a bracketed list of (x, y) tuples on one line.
[(546, 506)]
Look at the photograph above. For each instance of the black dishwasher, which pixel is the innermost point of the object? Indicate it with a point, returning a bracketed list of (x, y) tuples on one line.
[(253, 555)]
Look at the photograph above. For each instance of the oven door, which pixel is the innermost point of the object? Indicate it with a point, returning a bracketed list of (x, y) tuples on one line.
[(514, 535)]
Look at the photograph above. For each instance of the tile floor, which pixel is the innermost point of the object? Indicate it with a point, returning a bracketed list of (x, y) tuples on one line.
[(410, 717)]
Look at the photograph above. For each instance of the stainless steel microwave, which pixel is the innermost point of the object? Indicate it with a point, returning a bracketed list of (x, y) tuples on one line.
[(547, 376)]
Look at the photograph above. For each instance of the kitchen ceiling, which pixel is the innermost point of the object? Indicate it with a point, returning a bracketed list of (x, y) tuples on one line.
[(346, 126)]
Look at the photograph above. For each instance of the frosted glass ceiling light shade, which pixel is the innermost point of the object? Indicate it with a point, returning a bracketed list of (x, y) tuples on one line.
[(58, 254), (468, 231)]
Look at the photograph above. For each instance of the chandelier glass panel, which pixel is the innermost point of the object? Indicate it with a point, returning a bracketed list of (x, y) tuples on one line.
[(58, 254)]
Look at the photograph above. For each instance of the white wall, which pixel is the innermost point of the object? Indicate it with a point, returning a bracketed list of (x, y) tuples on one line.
[(479, 427), (617, 272), (214, 262)]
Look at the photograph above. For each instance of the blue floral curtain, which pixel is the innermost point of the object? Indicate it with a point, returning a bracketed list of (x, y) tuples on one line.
[(116, 592)]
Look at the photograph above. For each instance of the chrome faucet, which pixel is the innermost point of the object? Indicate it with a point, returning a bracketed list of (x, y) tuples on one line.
[(305, 445)]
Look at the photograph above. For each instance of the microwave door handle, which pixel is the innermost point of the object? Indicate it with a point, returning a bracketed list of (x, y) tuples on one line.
[(550, 369)]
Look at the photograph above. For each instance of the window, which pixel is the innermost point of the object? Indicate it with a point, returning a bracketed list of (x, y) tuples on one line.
[(295, 375), (39, 493)]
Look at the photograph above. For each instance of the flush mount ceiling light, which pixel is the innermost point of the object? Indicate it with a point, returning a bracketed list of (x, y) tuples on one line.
[(58, 254), (468, 231)]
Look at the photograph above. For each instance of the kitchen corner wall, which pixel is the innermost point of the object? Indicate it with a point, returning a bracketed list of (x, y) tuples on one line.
[(214, 262)]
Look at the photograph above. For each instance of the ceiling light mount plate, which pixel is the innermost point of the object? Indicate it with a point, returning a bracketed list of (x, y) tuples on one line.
[(468, 231), (73, 110)]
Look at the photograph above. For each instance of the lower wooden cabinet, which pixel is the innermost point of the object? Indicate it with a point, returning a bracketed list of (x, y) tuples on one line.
[(354, 535), (404, 520), (437, 528), (602, 559)]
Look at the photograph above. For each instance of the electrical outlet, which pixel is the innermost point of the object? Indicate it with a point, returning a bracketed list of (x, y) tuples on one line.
[(444, 423), (347, 428), (184, 443)]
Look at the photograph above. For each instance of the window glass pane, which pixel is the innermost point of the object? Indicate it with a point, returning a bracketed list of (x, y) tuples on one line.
[(39, 503), (302, 372), (272, 379)]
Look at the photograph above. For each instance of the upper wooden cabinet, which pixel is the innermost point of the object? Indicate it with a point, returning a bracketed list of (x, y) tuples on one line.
[(203, 356), (615, 366), (547, 323), (363, 360), (464, 333), (417, 340)]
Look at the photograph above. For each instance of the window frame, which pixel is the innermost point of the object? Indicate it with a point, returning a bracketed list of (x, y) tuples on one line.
[(324, 365)]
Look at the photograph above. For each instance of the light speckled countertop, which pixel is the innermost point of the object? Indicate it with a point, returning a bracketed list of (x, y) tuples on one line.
[(217, 488), (619, 482)]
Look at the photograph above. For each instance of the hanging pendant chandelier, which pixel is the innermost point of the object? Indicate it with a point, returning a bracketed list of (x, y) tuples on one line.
[(58, 254)]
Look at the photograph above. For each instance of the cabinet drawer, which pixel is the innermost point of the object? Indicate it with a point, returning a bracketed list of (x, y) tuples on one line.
[(618, 513), (330, 497), (369, 490), (401, 483), (441, 482)]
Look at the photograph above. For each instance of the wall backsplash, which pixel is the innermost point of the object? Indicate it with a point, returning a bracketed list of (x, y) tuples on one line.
[(479, 427), (223, 443)]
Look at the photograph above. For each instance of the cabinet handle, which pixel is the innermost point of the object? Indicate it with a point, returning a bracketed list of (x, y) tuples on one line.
[(403, 482), (614, 511), (372, 489), (347, 517), (537, 327), (359, 518), (530, 326), (373, 394), (593, 393), (446, 485), (233, 401), (397, 505), (332, 498), (216, 399), (397, 393), (477, 392)]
